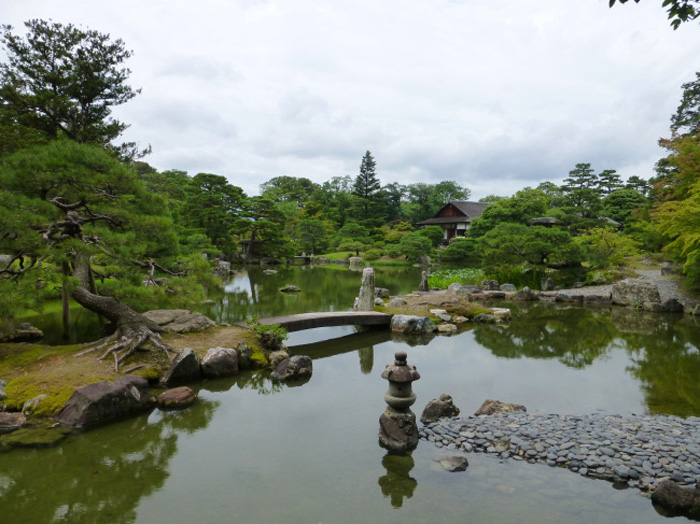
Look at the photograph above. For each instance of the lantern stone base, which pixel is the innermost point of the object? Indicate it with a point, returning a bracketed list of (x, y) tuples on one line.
[(398, 431)]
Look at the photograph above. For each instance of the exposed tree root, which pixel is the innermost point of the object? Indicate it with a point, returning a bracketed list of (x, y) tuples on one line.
[(125, 341)]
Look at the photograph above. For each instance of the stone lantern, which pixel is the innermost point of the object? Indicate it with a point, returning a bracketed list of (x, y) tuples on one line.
[(398, 431)]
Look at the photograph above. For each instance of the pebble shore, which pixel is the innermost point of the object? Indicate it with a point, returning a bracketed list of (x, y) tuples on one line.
[(638, 450)]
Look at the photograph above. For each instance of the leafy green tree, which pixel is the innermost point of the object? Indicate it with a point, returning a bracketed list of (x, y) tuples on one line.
[(263, 223), (70, 212), (520, 209), (686, 120), (510, 244), (60, 80), (366, 185), (434, 233), (331, 201), (609, 181), (678, 212), (620, 204), (414, 245), (215, 206), (638, 184), (605, 247), (288, 189), (464, 251), (679, 11), (581, 190), (312, 235)]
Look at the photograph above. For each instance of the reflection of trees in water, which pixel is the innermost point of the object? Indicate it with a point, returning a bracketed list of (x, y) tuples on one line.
[(397, 483), (576, 337), (104, 472), (667, 362), (366, 359), (322, 289)]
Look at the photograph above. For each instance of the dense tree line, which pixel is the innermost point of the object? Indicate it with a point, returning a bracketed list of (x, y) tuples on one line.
[(87, 219)]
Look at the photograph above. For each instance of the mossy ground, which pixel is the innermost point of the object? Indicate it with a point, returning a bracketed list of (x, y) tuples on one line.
[(422, 304), (31, 370)]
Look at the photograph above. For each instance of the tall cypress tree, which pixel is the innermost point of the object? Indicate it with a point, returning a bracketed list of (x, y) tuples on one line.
[(366, 184)]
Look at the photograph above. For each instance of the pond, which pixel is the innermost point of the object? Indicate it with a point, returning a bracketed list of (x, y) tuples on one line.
[(251, 450)]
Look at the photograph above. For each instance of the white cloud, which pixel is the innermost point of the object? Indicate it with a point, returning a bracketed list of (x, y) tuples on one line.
[(497, 96)]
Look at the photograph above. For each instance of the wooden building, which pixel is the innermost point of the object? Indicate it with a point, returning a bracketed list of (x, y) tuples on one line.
[(455, 217)]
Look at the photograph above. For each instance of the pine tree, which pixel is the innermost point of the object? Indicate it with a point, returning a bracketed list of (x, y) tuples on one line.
[(366, 184)]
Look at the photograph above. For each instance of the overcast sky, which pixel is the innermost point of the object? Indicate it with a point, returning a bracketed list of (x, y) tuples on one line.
[(496, 95)]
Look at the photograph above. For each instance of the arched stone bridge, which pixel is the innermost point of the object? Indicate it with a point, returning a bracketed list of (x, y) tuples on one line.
[(336, 318)]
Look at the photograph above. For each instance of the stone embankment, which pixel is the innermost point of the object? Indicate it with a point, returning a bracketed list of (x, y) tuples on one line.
[(640, 451)]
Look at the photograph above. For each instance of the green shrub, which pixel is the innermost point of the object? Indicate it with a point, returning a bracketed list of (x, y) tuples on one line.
[(465, 276), (372, 254), (271, 336)]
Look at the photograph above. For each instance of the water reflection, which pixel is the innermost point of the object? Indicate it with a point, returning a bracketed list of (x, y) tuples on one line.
[(105, 472), (397, 483)]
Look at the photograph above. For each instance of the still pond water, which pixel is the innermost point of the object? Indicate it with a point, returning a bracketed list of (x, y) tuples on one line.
[(252, 451)]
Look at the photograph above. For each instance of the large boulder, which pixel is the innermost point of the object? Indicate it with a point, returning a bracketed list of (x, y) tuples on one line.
[(25, 332), (290, 288), (636, 292), (220, 362), (11, 422), (176, 398), (508, 288), (185, 367), (105, 401), (490, 407), (453, 463), (525, 294), (412, 324), (439, 408), (397, 302), (179, 320), (678, 500), (245, 352), (294, 368)]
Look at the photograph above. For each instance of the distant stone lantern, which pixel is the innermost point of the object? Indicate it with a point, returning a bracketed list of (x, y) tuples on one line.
[(398, 431)]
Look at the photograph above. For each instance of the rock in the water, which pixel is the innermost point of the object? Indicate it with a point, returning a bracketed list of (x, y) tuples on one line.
[(322, 260), (278, 356), (525, 294), (36, 437), (424, 286), (220, 362), (439, 408), (11, 422), (446, 328), (290, 288), (508, 288), (636, 292), (365, 299), (269, 272), (244, 353), (490, 285), (104, 401), (294, 368), (356, 262), (453, 463), (397, 302), (223, 268), (412, 324), (179, 320), (489, 407), (502, 313), (381, 292), (25, 332), (486, 318), (547, 284), (671, 306), (176, 398), (441, 314), (185, 367), (678, 500)]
